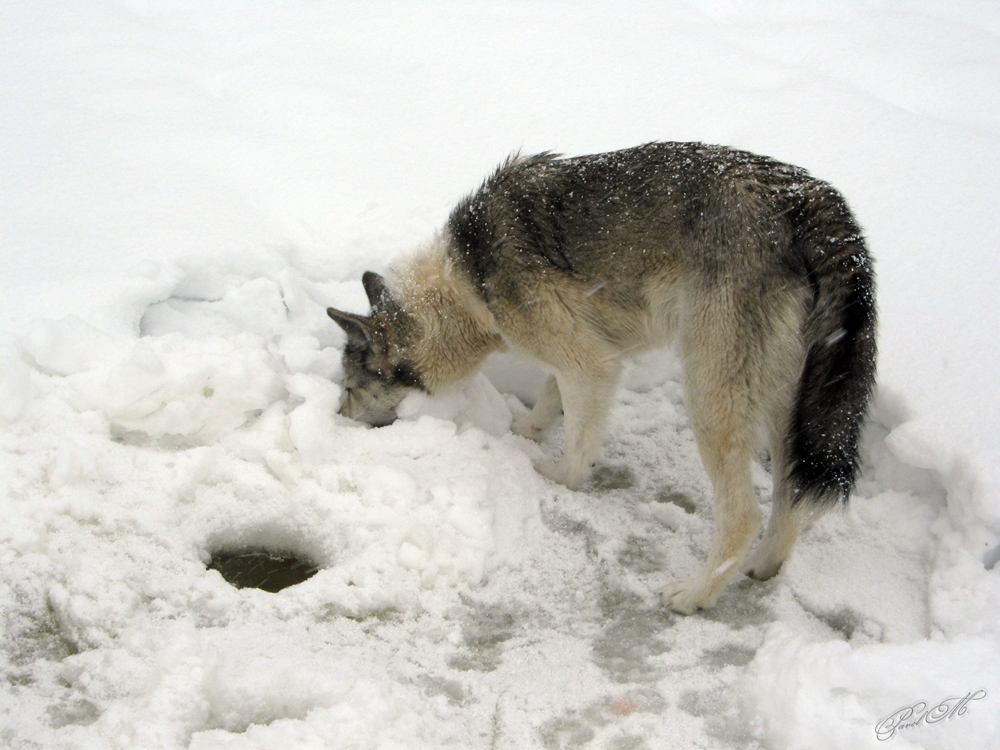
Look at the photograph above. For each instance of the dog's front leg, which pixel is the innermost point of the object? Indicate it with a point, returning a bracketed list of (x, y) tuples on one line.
[(586, 399)]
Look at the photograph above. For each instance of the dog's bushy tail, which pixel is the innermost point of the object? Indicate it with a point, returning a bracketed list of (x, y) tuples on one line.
[(838, 376)]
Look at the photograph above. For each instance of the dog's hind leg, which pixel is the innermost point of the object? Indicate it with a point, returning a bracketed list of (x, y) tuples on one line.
[(782, 365), (536, 423), (586, 400), (719, 383), (782, 531), (787, 518)]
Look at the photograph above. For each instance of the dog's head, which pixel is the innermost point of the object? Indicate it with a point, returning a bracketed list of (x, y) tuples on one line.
[(377, 373)]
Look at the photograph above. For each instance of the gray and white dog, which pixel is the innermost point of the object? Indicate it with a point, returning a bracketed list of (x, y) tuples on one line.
[(757, 270)]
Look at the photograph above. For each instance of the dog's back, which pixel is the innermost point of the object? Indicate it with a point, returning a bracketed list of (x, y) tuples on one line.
[(622, 216)]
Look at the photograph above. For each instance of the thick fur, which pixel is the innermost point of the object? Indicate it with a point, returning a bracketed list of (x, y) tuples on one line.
[(757, 269)]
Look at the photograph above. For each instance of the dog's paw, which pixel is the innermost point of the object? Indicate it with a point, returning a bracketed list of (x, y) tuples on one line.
[(685, 596), (561, 473), (526, 427), (762, 567)]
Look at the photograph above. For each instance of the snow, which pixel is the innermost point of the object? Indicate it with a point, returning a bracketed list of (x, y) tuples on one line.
[(185, 188)]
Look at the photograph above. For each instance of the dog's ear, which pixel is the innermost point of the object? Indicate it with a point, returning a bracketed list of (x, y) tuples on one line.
[(374, 286), (357, 327), (379, 296)]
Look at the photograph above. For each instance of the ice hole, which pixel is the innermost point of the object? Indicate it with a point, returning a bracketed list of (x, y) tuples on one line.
[(261, 568)]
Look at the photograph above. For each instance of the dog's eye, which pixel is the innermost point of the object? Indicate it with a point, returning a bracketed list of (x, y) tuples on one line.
[(406, 375)]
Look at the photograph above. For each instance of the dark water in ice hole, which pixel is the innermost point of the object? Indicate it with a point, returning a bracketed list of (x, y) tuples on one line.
[(262, 569)]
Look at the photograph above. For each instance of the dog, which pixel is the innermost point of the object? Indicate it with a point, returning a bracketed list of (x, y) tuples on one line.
[(756, 269)]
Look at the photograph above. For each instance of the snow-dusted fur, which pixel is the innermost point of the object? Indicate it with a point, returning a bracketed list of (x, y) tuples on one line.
[(758, 270)]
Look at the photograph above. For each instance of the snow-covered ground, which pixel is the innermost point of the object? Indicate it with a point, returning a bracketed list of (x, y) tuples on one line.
[(184, 188)]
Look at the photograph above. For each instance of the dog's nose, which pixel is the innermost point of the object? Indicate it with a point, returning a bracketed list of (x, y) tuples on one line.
[(383, 420)]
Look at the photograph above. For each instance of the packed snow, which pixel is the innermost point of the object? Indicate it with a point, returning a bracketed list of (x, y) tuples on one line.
[(187, 186)]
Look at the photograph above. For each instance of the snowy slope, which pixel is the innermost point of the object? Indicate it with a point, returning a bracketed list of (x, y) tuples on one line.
[(185, 188)]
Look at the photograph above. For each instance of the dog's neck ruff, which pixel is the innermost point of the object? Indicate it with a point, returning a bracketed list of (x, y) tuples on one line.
[(456, 330)]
